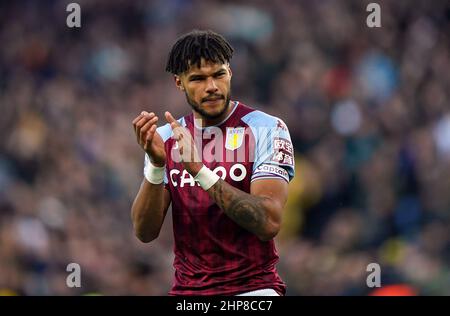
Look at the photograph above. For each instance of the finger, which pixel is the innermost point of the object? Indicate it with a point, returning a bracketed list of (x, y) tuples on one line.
[(179, 139), (150, 134), (147, 125), (148, 137), (144, 119), (169, 117), (172, 121), (178, 134), (144, 137), (184, 136), (145, 133), (136, 122), (141, 123), (137, 119), (138, 127), (143, 114)]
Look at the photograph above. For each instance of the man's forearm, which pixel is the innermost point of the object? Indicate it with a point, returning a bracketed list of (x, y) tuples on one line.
[(249, 211), (148, 211)]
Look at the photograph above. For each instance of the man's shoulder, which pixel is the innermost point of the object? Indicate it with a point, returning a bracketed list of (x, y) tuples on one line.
[(258, 118)]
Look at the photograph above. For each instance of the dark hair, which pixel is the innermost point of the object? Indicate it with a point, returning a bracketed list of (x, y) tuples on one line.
[(190, 48)]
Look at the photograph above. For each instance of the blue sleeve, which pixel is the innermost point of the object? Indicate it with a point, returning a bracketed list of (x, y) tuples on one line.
[(274, 153)]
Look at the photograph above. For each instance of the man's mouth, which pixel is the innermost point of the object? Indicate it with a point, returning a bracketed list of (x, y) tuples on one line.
[(212, 100)]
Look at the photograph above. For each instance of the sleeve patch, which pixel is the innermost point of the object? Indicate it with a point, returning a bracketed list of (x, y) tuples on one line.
[(283, 151), (268, 169)]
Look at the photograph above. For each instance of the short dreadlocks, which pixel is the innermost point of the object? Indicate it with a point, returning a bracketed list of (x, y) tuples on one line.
[(190, 48)]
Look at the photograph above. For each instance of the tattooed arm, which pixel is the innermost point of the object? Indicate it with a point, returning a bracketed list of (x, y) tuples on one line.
[(260, 211)]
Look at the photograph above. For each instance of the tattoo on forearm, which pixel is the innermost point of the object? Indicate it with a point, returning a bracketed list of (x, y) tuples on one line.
[(245, 209)]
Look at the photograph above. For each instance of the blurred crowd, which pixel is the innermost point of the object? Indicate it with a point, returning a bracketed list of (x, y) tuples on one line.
[(368, 110)]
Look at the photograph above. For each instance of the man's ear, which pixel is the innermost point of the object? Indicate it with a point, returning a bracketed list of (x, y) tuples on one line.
[(178, 82), (229, 70)]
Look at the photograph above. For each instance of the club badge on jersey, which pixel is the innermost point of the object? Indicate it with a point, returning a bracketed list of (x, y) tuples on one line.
[(234, 137)]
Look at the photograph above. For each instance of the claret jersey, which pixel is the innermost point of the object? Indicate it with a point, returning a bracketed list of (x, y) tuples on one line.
[(213, 254)]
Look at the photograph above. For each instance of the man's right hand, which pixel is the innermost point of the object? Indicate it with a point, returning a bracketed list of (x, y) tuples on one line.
[(147, 137)]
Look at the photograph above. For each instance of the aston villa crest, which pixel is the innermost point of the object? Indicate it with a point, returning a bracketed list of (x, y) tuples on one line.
[(234, 138)]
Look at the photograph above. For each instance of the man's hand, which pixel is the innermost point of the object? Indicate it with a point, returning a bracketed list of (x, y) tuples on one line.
[(186, 146), (147, 137)]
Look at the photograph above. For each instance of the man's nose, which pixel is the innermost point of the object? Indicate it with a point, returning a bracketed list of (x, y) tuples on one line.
[(211, 86)]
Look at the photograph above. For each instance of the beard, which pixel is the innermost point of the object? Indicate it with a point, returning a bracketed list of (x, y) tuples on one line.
[(197, 107)]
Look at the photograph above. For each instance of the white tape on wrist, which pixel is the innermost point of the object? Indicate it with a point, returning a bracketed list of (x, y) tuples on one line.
[(154, 174), (206, 178)]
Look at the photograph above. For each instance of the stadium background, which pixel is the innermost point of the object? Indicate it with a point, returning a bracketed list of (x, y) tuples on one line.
[(368, 111)]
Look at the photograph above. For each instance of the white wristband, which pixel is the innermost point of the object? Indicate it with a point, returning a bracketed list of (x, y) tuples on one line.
[(206, 178), (154, 174)]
